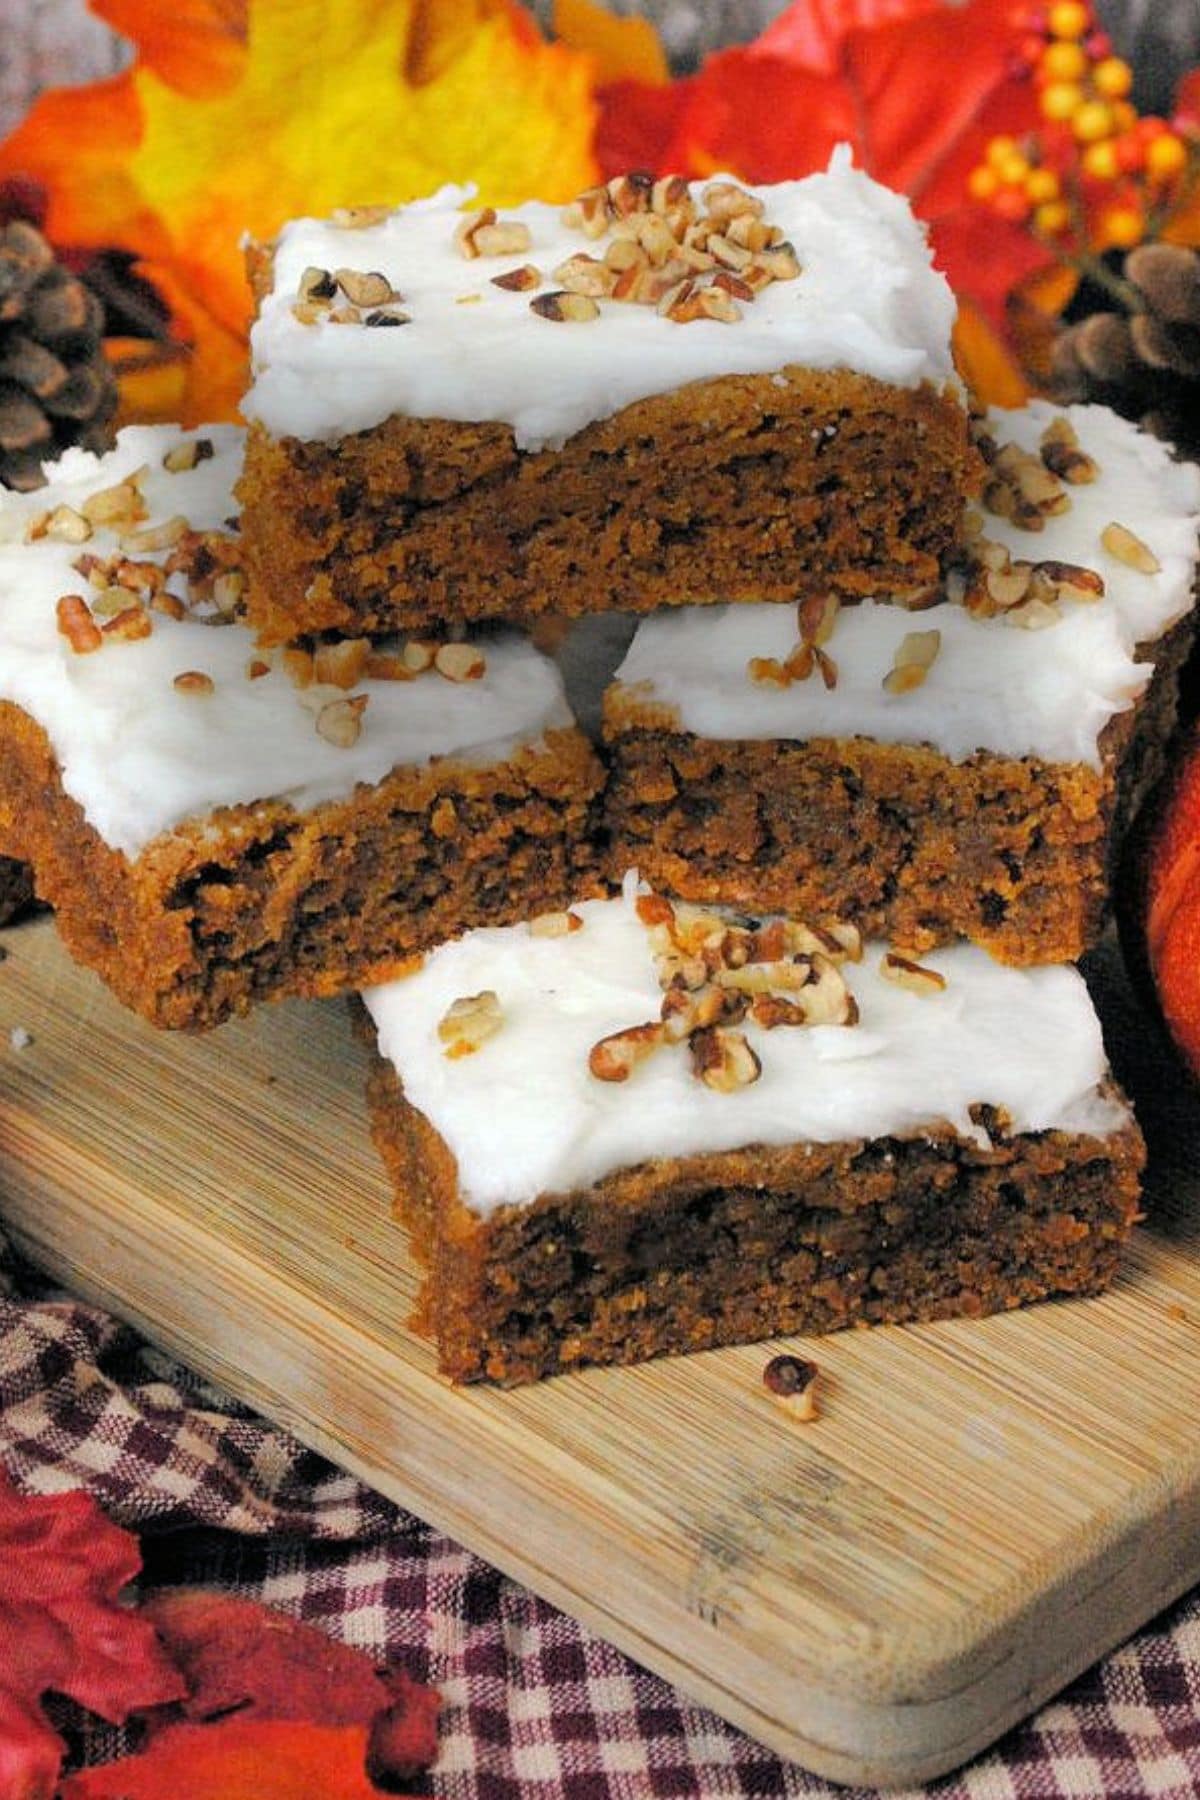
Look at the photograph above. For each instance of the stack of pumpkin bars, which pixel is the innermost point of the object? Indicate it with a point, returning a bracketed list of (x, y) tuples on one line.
[(763, 1018)]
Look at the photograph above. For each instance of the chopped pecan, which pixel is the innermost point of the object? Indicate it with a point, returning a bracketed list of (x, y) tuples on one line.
[(358, 218), (365, 287), (468, 225), (127, 626), (339, 722), (628, 194), (76, 624), (555, 924), (507, 237), (120, 504), (589, 212), (915, 656), (341, 664), (724, 1060), (654, 909), (1062, 455), (1128, 548), (615, 1057), (386, 665), (316, 285), (155, 537), (185, 456), (778, 262), (793, 1381), (816, 616), (725, 200), (563, 307), (584, 274), (469, 1022), (911, 975), (460, 662), (63, 524), (519, 281), (768, 671)]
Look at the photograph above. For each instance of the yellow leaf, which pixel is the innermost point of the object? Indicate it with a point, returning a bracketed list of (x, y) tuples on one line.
[(622, 49)]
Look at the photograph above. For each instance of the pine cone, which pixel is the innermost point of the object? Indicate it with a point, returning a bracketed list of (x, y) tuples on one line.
[(55, 387), (1145, 363)]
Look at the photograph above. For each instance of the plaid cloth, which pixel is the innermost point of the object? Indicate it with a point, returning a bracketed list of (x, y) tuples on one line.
[(534, 1706)]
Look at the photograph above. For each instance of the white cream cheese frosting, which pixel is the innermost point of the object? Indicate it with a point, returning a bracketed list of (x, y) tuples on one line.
[(992, 687), (868, 299), (523, 1115), (139, 756)]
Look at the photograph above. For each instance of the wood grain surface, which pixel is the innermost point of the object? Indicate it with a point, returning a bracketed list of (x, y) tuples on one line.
[(981, 1511)]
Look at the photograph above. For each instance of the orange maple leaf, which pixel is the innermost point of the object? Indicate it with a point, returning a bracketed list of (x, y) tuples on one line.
[(240, 1759), (621, 49), (241, 114)]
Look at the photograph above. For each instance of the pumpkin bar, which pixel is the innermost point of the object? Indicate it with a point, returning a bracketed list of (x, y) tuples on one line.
[(962, 771), (637, 1126), (215, 825), (666, 392)]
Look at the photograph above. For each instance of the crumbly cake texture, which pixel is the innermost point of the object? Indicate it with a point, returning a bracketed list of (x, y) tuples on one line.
[(215, 826), (952, 1145), (982, 792), (595, 438)]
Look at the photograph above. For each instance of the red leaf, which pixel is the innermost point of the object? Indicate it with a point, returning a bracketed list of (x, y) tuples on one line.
[(238, 1656), (754, 116), (760, 119), (62, 1566), (908, 134), (637, 123), (242, 1759), (811, 33), (860, 71), (983, 258)]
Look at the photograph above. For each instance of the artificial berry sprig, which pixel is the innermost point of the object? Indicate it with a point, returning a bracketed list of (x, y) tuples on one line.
[(1096, 175)]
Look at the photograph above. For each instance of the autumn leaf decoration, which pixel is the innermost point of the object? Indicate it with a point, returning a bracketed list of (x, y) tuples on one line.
[(274, 1710), (240, 1658), (64, 1630), (237, 1701)]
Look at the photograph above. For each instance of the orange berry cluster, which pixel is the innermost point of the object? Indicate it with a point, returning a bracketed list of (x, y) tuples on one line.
[(1094, 149)]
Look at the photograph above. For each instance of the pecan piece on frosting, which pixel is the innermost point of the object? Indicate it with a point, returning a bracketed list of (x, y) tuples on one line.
[(915, 976), (724, 1060), (615, 1057), (1128, 548), (469, 1022)]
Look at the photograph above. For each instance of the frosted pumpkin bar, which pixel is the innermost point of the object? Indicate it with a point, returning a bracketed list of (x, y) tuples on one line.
[(661, 393), (215, 825), (638, 1127), (965, 770)]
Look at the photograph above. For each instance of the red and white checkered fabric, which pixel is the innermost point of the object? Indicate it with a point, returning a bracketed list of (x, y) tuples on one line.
[(535, 1706)]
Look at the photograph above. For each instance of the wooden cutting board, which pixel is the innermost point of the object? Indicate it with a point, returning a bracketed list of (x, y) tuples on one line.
[(981, 1511)]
